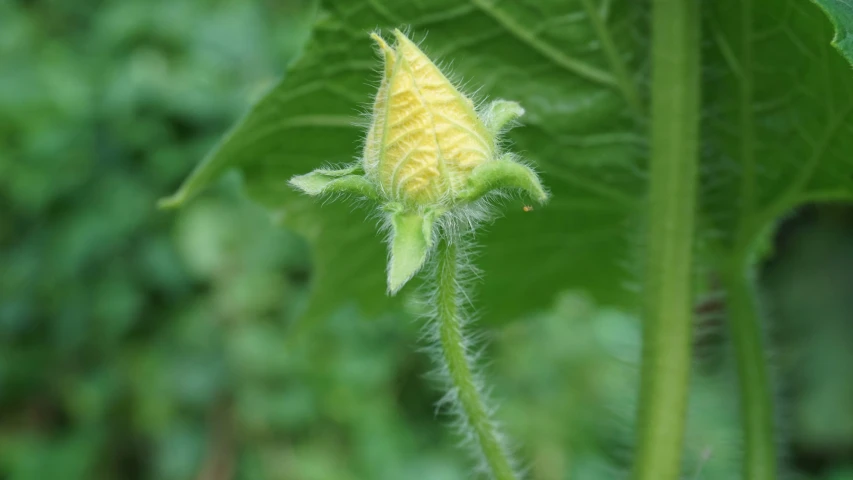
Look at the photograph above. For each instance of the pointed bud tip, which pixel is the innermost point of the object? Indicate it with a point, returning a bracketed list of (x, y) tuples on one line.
[(381, 42), (402, 39)]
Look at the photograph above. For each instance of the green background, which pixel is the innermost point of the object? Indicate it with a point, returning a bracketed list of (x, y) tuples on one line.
[(142, 344)]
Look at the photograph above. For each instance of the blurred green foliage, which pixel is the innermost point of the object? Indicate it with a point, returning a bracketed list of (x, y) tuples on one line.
[(136, 344)]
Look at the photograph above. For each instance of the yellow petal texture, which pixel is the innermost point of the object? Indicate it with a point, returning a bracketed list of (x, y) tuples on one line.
[(373, 143), (425, 137)]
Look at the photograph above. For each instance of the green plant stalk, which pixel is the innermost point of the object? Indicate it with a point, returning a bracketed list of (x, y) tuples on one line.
[(668, 293), (466, 393), (756, 399)]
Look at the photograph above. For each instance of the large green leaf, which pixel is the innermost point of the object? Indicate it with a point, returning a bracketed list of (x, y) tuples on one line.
[(778, 132), (779, 118), (841, 14)]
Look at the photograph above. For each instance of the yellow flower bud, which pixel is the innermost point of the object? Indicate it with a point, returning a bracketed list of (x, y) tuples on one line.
[(425, 137), (428, 153)]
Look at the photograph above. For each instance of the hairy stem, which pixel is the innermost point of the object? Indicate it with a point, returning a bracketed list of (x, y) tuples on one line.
[(755, 393), (667, 313), (465, 392)]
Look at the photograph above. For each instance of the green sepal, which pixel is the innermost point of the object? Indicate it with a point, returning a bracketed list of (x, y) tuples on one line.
[(324, 181), (500, 113), (411, 241), (502, 174)]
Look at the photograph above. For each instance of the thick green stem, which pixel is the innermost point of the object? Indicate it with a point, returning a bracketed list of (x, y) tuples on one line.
[(465, 392), (667, 313), (755, 392)]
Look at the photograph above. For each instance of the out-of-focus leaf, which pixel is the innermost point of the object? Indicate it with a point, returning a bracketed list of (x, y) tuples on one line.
[(100, 110)]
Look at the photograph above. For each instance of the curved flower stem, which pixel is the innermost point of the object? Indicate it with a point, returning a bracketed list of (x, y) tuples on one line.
[(465, 392), (668, 286)]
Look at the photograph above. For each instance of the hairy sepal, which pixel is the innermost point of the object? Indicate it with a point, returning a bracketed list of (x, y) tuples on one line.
[(411, 241), (505, 173), (341, 181), (500, 115)]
